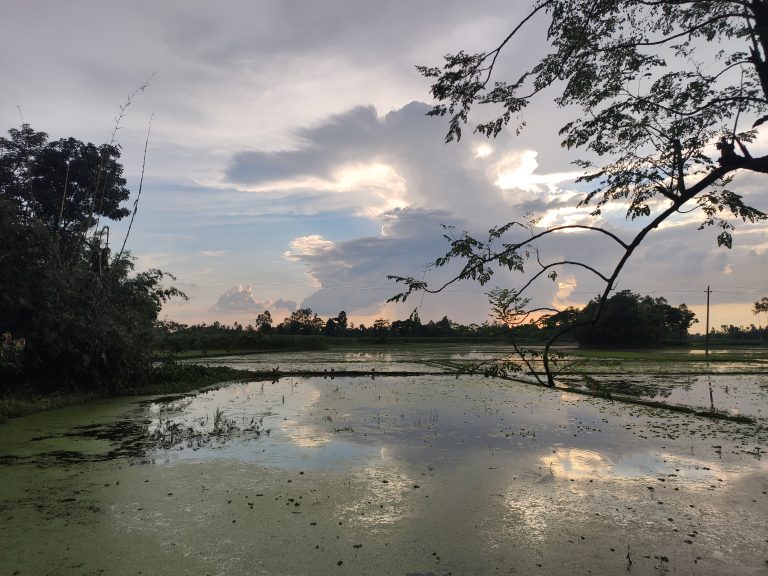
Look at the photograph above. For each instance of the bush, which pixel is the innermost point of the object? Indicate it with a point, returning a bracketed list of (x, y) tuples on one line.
[(87, 319)]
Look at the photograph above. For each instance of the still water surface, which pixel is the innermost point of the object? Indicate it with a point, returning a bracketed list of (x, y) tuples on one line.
[(381, 474)]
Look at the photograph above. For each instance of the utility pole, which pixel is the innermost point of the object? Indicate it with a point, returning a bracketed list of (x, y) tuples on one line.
[(706, 337)]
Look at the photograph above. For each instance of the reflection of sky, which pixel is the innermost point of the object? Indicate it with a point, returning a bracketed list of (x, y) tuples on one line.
[(738, 388), (394, 422), (322, 361), (577, 463), (745, 394), (581, 464), (384, 501), (281, 407)]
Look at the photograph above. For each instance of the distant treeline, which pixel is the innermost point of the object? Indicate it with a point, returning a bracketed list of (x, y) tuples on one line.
[(304, 329), (729, 334), (627, 320)]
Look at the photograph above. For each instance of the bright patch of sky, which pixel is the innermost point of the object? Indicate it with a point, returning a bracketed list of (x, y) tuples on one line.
[(291, 162)]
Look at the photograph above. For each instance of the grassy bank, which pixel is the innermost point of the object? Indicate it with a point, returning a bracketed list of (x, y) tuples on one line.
[(167, 378), (676, 356)]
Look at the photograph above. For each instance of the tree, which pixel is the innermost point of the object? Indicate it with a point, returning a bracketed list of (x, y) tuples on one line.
[(342, 322), (653, 85), (330, 327), (410, 327), (303, 321), (445, 326), (761, 307), (381, 328), (264, 322), (87, 320), (67, 186), (629, 320), (678, 321)]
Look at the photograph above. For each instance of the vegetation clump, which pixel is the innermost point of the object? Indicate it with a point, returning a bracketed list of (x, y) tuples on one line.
[(629, 320), (86, 318)]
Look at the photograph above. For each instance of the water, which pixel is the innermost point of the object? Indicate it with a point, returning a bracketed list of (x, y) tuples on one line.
[(380, 475)]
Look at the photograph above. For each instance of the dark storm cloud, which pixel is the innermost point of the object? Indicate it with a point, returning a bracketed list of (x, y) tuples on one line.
[(435, 175), (343, 138), (353, 273)]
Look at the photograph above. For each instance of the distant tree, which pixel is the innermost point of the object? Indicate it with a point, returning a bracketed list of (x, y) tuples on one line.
[(653, 87), (381, 328), (409, 327), (629, 320), (341, 322), (331, 327), (264, 322), (678, 321), (561, 319), (303, 321), (445, 326), (761, 307)]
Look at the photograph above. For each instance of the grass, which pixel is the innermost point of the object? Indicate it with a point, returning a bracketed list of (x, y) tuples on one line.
[(272, 343), (13, 405), (167, 378)]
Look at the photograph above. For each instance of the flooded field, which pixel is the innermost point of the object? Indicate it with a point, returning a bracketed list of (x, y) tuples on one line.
[(390, 474)]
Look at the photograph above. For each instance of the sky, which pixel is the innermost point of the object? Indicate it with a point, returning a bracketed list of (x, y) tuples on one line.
[(291, 162)]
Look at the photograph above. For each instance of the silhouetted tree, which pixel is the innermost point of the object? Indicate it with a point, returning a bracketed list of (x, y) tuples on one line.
[(761, 307), (331, 328), (341, 322), (381, 328), (302, 321), (85, 325), (264, 322), (629, 320), (649, 99)]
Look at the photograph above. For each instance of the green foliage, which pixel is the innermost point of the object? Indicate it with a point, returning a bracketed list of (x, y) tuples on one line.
[(654, 84), (628, 320), (653, 87), (62, 186), (11, 353), (87, 321)]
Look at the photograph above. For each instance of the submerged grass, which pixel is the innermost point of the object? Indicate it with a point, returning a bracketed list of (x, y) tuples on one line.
[(167, 378), (13, 405), (712, 414)]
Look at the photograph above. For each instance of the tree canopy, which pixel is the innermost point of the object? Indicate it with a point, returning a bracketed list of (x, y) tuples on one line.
[(85, 319), (629, 320), (65, 185), (667, 98), (657, 84)]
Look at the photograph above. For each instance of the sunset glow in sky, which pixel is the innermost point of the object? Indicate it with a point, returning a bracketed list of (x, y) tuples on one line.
[(291, 163)]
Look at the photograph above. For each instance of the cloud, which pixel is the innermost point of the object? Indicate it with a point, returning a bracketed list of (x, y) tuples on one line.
[(516, 171), (371, 164), (241, 299), (307, 247), (395, 171), (565, 288), (326, 166), (238, 299), (351, 275), (283, 305)]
